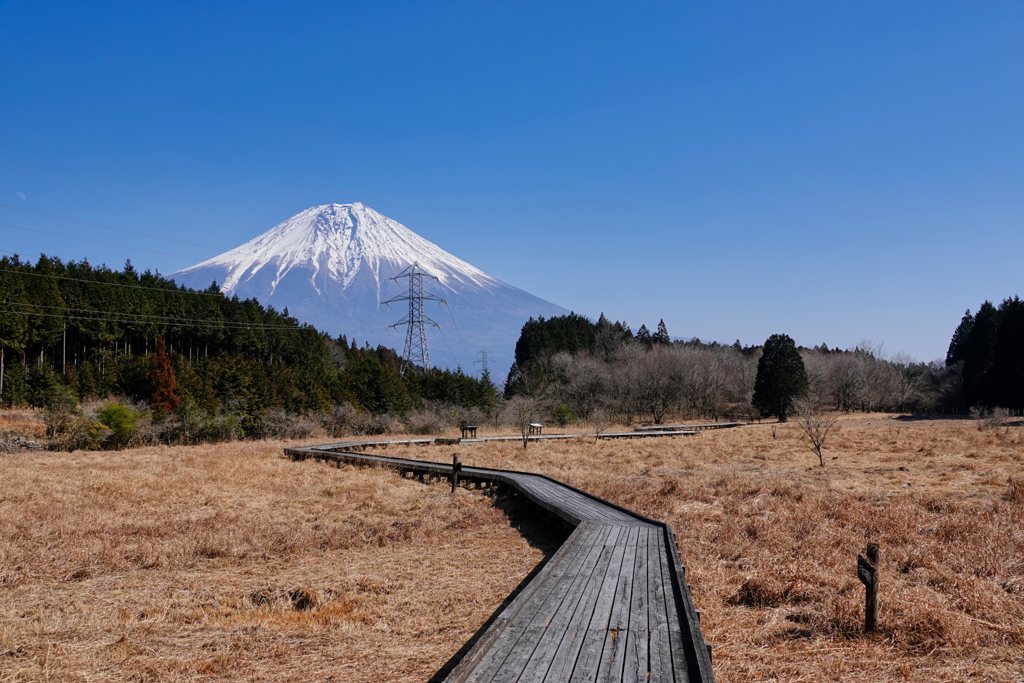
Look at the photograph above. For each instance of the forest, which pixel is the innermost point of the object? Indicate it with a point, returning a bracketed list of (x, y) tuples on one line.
[(578, 368), (116, 356), (72, 335)]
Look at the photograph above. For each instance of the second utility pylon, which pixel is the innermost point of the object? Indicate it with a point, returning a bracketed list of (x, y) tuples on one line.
[(416, 351)]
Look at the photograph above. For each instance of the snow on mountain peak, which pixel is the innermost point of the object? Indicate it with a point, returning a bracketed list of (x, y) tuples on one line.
[(335, 242)]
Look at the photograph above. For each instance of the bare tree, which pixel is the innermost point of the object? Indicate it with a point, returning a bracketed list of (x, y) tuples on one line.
[(522, 410), (816, 423), (661, 385), (600, 417)]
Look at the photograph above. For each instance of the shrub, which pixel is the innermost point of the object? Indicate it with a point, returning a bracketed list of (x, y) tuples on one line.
[(338, 421), (279, 424), (425, 422), (122, 421), (563, 415), (373, 425), (194, 425)]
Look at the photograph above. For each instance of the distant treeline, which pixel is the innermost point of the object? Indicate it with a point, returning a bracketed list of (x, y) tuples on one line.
[(987, 351), (76, 331), (584, 368)]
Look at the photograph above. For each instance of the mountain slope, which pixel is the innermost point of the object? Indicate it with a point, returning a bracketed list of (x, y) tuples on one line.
[(331, 266)]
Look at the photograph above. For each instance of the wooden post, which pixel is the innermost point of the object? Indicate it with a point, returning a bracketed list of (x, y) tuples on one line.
[(456, 468), (867, 572)]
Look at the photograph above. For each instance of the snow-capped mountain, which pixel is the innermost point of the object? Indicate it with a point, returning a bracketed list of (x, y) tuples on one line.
[(331, 266)]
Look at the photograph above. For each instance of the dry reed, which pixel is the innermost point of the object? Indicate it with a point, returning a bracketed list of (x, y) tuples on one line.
[(771, 539), (230, 562)]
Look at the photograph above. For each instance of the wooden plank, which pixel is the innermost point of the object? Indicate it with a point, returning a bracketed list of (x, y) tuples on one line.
[(619, 620), (533, 615), (634, 664), (660, 655), (613, 658), (555, 656), (588, 661), (605, 598), (495, 655), (675, 634), (638, 606), (564, 661)]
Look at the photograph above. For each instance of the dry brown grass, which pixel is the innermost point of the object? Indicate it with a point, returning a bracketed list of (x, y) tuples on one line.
[(27, 422), (230, 562), (771, 541), (192, 563)]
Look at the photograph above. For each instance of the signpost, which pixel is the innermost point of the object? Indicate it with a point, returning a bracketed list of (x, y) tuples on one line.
[(867, 572)]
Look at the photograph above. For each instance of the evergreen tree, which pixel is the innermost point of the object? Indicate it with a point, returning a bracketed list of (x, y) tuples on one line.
[(661, 336), (13, 321), (781, 377), (542, 338), (1005, 383), (978, 355), (161, 375), (958, 344), (643, 335)]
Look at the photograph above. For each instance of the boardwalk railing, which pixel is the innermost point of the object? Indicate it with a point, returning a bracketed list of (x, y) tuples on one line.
[(612, 604), (691, 428)]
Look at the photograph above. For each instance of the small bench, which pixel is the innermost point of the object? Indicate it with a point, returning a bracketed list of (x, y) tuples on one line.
[(535, 428), (468, 432)]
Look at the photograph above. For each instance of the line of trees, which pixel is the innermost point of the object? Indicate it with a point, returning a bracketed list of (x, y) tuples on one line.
[(604, 368), (987, 353), (73, 332)]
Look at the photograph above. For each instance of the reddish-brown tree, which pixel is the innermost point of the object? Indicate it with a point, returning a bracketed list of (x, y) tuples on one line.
[(161, 376)]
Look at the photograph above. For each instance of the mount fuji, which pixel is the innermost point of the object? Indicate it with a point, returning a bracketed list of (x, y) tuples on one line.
[(331, 265)]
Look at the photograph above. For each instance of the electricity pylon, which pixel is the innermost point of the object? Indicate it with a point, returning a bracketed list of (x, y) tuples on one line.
[(416, 336), (484, 360)]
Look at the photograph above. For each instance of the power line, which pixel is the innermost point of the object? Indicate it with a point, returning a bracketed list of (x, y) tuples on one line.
[(108, 244), (142, 317), (110, 227), (118, 320), (171, 290), (154, 319), (469, 356)]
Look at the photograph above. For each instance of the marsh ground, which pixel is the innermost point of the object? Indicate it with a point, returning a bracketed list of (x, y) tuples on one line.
[(230, 562)]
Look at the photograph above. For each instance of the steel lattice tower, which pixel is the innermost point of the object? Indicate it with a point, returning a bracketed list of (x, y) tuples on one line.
[(416, 335), (484, 361)]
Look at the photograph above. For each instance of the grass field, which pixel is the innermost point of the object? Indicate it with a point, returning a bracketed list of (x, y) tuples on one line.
[(230, 562)]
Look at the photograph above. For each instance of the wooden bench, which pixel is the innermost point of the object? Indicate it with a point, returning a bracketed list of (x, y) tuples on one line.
[(468, 432), (535, 428)]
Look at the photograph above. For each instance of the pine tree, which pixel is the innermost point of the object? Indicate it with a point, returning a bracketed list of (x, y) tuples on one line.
[(643, 335), (661, 336), (13, 322), (958, 344), (1006, 381), (161, 377), (781, 377), (978, 352)]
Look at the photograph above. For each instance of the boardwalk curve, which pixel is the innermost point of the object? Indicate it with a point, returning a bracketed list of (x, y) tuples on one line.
[(611, 605)]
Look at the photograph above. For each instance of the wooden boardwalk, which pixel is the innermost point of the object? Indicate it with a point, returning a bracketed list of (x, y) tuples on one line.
[(691, 428), (611, 605)]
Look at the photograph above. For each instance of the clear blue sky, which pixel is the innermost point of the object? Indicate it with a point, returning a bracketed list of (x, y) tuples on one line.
[(834, 170)]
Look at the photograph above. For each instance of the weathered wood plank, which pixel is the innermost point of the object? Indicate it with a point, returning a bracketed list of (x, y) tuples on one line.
[(619, 620), (588, 661), (634, 665)]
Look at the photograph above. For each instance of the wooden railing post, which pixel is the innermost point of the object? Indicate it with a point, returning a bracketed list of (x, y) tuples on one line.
[(867, 572), (456, 468)]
